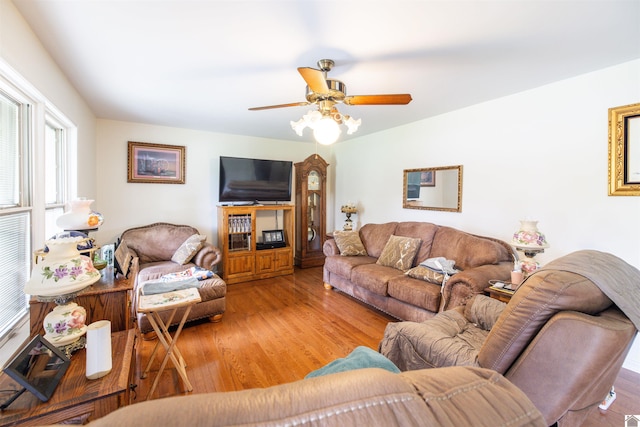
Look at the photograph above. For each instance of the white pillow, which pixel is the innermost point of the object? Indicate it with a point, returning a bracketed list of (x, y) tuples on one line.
[(188, 249)]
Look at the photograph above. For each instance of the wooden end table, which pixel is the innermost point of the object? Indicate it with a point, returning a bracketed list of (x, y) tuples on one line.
[(77, 398), (107, 299), (152, 306)]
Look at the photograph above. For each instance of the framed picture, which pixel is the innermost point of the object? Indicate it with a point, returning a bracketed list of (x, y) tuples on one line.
[(428, 179), (156, 163), (273, 236)]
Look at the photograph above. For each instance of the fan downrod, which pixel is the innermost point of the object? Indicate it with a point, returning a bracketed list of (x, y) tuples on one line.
[(326, 65)]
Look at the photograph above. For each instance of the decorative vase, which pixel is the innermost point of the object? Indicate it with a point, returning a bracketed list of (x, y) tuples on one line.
[(62, 271), (80, 216), (65, 324)]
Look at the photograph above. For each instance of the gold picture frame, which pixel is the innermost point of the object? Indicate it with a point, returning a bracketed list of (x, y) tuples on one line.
[(624, 150), (156, 163)]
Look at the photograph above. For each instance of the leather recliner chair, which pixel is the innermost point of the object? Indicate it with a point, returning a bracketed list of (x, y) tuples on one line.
[(560, 339)]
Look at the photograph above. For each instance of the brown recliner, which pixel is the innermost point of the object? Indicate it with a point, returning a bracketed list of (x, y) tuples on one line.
[(560, 339)]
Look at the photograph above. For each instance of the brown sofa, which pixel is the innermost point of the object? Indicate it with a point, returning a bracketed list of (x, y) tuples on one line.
[(364, 397), (152, 247), (562, 338), (480, 259)]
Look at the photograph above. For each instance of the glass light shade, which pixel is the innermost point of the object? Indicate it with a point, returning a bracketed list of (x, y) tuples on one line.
[(80, 216), (326, 131), (62, 271), (529, 237), (65, 324)]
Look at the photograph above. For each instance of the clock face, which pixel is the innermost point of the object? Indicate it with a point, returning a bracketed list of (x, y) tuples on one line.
[(313, 181)]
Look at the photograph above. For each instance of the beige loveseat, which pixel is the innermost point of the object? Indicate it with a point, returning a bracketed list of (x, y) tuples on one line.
[(364, 397), (151, 248), (389, 289)]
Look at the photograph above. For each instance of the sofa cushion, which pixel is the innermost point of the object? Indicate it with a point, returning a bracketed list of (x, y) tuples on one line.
[(399, 252), (424, 231), (467, 250), (343, 265), (415, 292), (188, 249), (374, 277), (375, 237), (157, 242), (349, 243)]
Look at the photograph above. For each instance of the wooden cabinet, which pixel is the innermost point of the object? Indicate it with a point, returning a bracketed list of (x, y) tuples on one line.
[(107, 299), (311, 195), (256, 242)]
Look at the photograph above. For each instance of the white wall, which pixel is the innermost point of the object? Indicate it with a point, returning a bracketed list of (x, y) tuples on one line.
[(540, 154), (126, 205), (22, 50)]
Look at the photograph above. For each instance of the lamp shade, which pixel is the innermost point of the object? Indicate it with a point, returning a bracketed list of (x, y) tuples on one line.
[(529, 237), (80, 216), (62, 271)]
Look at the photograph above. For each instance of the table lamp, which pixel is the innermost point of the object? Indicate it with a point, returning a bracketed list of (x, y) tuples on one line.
[(530, 241), (58, 277), (348, 209)]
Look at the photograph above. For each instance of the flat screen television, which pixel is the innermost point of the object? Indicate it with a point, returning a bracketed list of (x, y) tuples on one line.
[(245, 180)]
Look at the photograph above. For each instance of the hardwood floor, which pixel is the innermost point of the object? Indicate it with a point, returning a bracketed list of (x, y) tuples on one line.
[(278, 330)]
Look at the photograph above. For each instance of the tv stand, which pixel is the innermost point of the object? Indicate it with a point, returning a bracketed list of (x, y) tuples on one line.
[(243, 259)]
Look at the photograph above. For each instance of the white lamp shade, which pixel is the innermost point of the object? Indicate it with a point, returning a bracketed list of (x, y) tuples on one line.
[(326, 131)]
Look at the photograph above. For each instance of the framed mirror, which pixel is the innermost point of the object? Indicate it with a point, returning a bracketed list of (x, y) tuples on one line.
[(624, 150), (437, 189)]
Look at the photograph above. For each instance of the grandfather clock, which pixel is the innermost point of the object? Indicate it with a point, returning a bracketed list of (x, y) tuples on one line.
[(311, 195)]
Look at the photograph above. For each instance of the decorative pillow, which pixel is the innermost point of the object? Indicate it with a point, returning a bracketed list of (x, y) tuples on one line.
[(360, 358), (349, 243), (399, 252), (425, 273), (122, 257), (188, 249)]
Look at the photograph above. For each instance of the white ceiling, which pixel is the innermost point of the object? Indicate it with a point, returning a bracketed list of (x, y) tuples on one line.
[(202, 64)]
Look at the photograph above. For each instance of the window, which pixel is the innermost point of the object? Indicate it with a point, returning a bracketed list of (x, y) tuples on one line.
[(15, 212), (34, 183), (55, 174)]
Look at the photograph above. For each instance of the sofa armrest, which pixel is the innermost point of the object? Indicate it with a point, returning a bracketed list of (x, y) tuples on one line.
[(207, 257), (483, 311), (462, 286), (330, 247)]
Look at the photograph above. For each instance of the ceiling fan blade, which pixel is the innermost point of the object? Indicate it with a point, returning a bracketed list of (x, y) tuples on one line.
[(268, 107), (391, 99), (315, 79)]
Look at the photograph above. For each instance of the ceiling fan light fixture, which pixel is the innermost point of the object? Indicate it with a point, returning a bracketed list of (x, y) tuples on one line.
[(326, 131), (352, 125)]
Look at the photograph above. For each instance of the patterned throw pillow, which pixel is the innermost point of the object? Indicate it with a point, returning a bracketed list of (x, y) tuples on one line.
[(123, 258), (399, 252), (349, 243), (425, 273), (188, 249)]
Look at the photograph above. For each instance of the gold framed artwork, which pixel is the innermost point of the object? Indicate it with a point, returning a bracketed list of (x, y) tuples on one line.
[(156, 163), (624, 150)]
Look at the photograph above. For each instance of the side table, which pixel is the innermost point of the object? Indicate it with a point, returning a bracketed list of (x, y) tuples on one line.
[(503, 295), (77, 398), (107, 299), (151, 306)]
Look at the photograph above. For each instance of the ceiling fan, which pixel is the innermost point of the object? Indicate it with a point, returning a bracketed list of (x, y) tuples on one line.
[(326, 93)]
